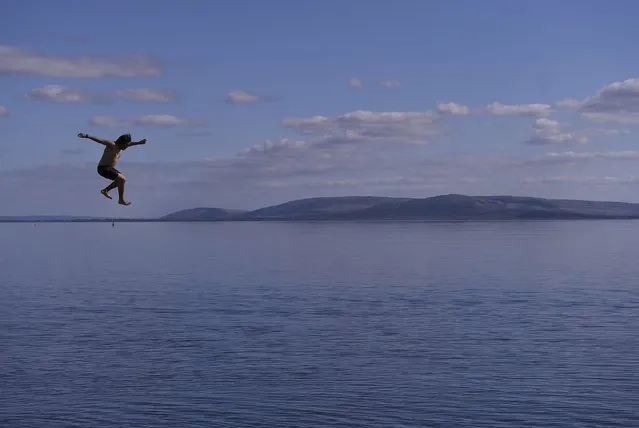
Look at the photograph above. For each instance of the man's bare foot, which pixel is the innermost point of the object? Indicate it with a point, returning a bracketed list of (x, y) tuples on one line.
[(122, 202), (105, 193)]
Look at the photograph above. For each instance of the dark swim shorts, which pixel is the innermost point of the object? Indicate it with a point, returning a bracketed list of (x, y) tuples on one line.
[(108, 172)]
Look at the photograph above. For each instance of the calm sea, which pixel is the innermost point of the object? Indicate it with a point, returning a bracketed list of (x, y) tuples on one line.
[(511, 324)]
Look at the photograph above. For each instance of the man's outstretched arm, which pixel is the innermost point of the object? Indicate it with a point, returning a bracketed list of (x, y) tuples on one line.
[(136, 143), (96, 139)]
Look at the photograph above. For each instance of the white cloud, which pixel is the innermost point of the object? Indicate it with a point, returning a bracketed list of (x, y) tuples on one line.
[(60, 94), (158, 120), (164, 120), (107, 121), (496, 109), (499, 109), (270, 146), (453, 109), (625, 118), (617, 102), (362, 125), (571, 103), (3, 111), (15, 60), (390, 83), (146, 95), (579, 157), (354, 82), (241, 97), (385, 183), (549, 131)]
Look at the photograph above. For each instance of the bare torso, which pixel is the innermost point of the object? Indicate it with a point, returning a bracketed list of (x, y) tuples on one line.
[(110, 157)]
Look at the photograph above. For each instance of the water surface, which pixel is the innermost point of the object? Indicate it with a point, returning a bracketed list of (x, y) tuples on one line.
[(495, 324)]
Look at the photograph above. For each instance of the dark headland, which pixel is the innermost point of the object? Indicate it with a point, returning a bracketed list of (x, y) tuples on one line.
[(369, 208)]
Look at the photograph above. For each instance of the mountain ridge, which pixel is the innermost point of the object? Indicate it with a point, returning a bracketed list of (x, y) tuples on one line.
[(441, 207), (375, 208)]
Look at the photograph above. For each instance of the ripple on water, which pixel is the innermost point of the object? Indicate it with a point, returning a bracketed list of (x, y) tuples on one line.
[(263, 325)]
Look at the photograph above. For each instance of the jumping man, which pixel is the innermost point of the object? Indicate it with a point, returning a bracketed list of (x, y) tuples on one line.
[(110, 158)]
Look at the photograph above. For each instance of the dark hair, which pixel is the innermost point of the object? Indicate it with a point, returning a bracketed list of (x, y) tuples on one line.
[(123, 139)]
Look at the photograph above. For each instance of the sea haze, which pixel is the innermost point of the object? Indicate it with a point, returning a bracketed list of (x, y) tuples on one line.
[(319, 324)]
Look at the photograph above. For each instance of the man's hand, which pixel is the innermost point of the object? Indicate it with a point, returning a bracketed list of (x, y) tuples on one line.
[(96, 139), (135, 143)]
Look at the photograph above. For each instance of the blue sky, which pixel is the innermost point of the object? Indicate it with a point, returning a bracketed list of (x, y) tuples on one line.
[(249, 103)]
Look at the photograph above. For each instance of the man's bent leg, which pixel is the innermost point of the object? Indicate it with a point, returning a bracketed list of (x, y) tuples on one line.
[(120, 183), (107, 189), (111, 174)]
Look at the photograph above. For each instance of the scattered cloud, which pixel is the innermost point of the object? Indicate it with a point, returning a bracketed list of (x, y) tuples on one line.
[(369, 126), (617, 102), (14, 60), (499, 109), (3, 111), (571, 103), (107, 121), (242, 97), (571, 157), (146, 95), (385, 183), (390, 83), (354, 82), (61, 94), (295, 163), (362, 151), (621, 118), (453, 109), (279, 146), (547, 131), (164, 120), (158, 120)]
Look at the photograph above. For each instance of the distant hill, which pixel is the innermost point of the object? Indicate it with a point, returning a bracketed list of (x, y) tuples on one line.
[(372, 208), (202, 214), (322, 207), (443, 207), (460, 207)]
